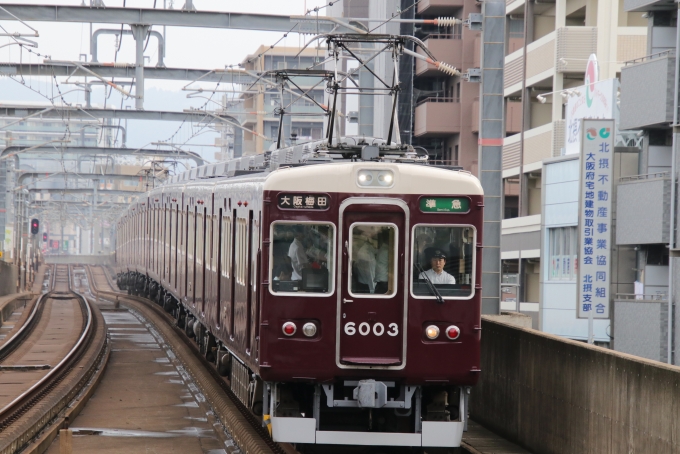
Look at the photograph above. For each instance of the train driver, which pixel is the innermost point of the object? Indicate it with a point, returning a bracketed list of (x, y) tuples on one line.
[(436, 274), (298, 254)]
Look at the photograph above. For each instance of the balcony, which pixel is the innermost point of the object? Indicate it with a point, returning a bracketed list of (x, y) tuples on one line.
[(647, 91), (446, 48), (565, 50), (643, 209), (647, 5), (641, 327), (437, 117), (631, 44), (438, 7), (539, 143)]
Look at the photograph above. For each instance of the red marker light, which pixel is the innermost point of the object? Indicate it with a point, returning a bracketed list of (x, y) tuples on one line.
[(452, 332), (289, 328)]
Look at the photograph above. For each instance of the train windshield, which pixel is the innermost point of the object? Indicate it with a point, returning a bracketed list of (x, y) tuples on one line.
[(373, 249), (443, 261), (302, 257)]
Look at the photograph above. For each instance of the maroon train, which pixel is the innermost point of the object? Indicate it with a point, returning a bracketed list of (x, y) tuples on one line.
[(336, 287)]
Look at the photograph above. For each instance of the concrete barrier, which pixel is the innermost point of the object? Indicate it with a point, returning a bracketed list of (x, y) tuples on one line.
[(553, 395), (8, 278)]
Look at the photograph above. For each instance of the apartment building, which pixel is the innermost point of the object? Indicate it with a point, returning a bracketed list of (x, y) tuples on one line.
[(258, 109), (646, 323), (446, 111), (547, 49)]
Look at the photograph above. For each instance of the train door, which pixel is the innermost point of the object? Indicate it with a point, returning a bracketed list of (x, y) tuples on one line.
[(372, 291)]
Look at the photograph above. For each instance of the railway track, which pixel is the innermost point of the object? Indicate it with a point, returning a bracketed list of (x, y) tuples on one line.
[(47, 362), (241, 423)]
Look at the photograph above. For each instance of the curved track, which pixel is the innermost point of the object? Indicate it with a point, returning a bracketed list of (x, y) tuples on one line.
[(53, 341), (242, 424)]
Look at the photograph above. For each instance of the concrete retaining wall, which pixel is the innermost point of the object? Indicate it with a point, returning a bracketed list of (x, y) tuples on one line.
[(8, 278), (553, 395)]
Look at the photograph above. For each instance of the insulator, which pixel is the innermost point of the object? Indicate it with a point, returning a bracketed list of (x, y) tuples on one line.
[(448, 69), (120, 65), (448, 21)]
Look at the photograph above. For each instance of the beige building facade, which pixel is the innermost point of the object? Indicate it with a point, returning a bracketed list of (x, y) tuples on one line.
[(548, 45)]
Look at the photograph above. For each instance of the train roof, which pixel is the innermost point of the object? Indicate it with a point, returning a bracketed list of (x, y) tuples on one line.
[(343, 177), (348, 148)]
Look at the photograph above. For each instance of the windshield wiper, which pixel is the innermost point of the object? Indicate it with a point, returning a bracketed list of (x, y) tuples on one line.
[(430, 285)]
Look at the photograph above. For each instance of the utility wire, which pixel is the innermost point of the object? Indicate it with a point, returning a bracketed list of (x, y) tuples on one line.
[(398, 13)]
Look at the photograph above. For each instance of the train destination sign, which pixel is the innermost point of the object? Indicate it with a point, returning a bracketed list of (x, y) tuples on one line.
[(444, 205), (303, 201)]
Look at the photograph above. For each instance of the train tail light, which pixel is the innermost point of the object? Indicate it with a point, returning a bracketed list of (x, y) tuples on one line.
[(289, 328), (309, 329), (452, 332), (432, 332)]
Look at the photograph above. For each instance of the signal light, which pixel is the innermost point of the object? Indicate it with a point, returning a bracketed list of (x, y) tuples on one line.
[(432, 332), (452, 332), (45, 237), (289, 328), (35, 226)]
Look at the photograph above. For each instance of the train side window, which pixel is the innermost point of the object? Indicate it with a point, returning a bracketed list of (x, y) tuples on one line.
[(443, 261), (373, 250), (302, 258), (226, 246)]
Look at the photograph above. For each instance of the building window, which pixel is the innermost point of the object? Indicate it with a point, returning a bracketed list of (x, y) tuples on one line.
[(562, 254)]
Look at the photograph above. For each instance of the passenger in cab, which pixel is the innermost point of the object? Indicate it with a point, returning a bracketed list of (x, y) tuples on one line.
[(382, 263), (298, 253), (436, 274), (283, 272)]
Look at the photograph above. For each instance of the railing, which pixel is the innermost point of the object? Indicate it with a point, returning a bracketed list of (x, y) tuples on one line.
[(665, 53), (454, 35), (645, 176), (442, 99), (443, 162), (642, 297)]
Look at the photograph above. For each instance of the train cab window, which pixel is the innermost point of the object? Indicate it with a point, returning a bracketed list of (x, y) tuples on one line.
[(443, 262), (372, 259), (302, 257)]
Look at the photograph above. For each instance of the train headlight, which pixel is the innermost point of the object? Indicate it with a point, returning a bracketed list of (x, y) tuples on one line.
[(452, 332), (289, 328), (432, 332), (309, 329), (375, 178), (365, 178), (385, 178)]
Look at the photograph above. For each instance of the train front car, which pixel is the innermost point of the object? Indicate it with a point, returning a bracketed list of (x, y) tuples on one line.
[(370, 315)]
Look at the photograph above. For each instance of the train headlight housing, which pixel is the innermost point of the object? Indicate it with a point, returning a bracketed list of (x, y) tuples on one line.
[(375, 178), (309, 329), (432, 332), (289, 328)]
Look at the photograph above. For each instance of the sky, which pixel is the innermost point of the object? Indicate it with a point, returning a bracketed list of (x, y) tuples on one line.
[(185, 48)]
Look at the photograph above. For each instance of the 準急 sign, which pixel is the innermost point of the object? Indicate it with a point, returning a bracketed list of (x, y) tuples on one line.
[(444, 205)]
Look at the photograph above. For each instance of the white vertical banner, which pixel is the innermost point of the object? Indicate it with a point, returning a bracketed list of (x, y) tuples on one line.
[(594, 230)]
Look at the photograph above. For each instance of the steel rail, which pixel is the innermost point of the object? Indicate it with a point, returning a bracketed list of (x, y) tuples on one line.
[(28, 398), (13, 342)]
